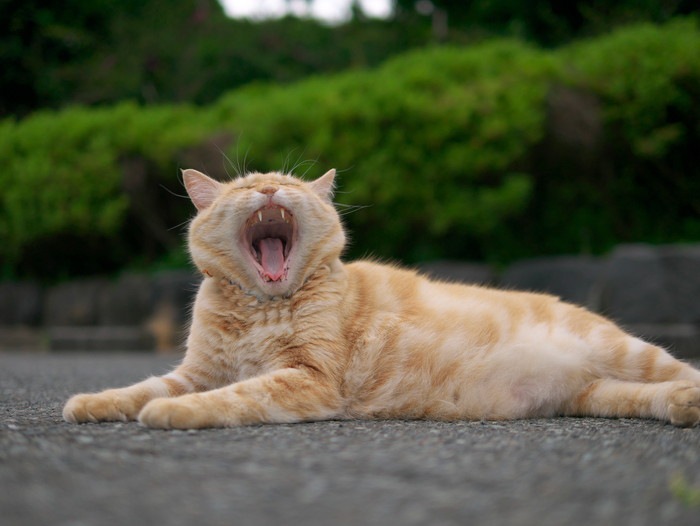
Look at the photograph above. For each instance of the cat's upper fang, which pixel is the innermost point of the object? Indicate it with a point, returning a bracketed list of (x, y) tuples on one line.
[(270, 214)]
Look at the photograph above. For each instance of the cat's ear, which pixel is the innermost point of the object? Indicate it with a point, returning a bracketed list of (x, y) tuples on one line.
[(324, 185), (202, 189)]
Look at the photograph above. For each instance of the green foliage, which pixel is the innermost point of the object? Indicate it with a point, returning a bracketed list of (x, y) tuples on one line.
[(448, 148), (60, 174), (641, 74), (427, 140), (684, 492), (644, 183), (62, 177)]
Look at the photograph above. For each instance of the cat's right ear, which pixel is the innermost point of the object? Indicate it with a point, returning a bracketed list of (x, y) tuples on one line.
[(201, 188), (324, 185)]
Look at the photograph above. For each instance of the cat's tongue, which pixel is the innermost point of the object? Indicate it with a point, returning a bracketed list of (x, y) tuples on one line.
[(272, 257)]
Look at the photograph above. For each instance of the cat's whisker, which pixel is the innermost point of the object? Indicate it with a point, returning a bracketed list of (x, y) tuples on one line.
[(285, 165), (300, 163), (310, 162), (238, 169), (349, 209), (226, 162), (344, 192), (223, 164), (347, 205), (179, 226), (241, 173), (172, 192)]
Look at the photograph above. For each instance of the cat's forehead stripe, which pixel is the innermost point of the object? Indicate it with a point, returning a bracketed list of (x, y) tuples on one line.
[(272, 177)]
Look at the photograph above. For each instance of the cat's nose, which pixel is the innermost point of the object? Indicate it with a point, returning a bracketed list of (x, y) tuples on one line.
[(267, 190)]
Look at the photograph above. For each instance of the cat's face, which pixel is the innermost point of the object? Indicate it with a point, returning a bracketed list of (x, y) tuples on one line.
[(265, 232)]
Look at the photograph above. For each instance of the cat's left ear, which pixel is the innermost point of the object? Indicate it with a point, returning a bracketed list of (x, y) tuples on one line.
[(201, 188), (324, 185)]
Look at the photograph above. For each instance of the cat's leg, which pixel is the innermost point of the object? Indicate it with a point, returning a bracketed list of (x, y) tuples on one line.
[(285, 395), (677, 402), (125, 403)]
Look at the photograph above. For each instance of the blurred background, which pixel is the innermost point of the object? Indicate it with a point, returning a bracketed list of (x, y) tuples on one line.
[(487, 131)]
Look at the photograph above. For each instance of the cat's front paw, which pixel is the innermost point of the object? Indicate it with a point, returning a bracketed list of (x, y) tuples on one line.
[(184, 412), (684, 410), (100, 407)]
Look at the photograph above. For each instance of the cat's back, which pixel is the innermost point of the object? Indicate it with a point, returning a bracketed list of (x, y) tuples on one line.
[(381, 286), (386, 297), (388, 286)]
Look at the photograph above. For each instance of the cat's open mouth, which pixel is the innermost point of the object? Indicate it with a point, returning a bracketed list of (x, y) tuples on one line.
[(268, 238)]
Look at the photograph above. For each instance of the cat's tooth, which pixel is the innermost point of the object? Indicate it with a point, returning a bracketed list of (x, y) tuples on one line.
[(282, 213), (260, 216)]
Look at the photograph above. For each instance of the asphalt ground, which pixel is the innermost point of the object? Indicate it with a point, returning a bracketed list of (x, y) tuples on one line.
[(565, 471)]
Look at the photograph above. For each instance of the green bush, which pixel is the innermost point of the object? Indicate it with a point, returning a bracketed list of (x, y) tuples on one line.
[(429, 141), (60, 173), (62, 180), (641, 74), (644, 184), (446, 147)]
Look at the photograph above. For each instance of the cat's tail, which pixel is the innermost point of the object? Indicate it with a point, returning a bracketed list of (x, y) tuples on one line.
[(626, 357), (629, 377)]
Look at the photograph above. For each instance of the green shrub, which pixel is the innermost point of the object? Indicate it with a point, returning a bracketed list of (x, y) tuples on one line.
[(62, 179), (428, 141), (645, 182), (60, 173), (640, 74)]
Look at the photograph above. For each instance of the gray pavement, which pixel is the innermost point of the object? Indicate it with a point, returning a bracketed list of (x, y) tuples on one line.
[(568, 471)]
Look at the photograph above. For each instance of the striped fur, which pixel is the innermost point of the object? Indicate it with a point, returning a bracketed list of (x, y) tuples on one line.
[(363, 340)]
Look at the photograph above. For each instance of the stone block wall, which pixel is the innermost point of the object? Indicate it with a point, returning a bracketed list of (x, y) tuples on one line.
[(652, 291), (133, 312)]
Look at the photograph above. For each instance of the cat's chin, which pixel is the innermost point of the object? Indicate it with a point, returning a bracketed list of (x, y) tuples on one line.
[(273, 289)]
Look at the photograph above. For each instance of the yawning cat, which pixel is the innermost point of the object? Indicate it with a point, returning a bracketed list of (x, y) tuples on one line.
[(283, 331)]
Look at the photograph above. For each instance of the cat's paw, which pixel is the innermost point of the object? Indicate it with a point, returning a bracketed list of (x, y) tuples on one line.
[(684, 410), (183, 412), (100, 407)]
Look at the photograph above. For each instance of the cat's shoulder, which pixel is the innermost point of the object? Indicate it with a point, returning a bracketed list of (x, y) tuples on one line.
[(369, 268)]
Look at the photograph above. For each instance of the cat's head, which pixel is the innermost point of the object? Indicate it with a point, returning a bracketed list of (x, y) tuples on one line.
[(266, 232)]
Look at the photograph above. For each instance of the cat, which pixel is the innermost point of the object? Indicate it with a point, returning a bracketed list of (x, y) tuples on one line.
[(283, 331)]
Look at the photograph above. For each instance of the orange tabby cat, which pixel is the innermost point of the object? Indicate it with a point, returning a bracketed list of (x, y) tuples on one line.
[(282, 331)]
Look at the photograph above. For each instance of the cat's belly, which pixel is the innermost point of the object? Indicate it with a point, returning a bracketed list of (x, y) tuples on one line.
[(529, 377)]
